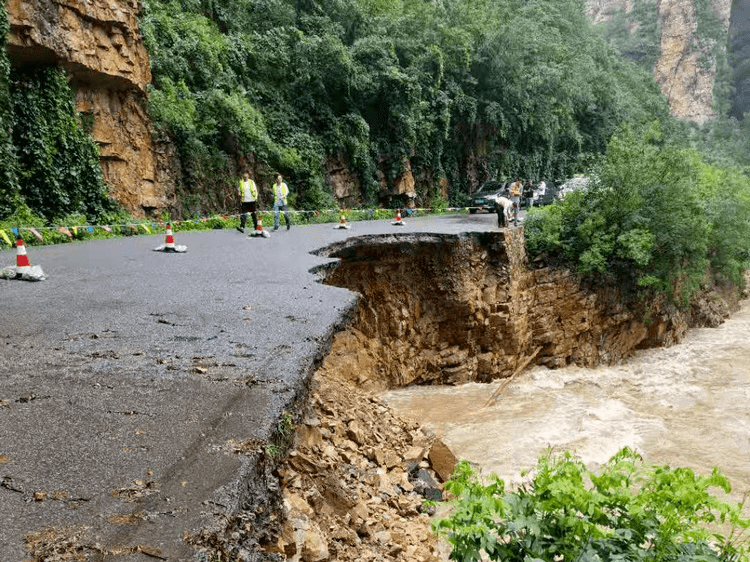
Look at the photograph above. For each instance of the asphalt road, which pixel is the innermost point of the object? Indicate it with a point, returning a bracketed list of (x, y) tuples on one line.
[(129, 378)]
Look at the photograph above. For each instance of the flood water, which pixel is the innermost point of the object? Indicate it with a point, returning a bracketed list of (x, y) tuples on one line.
[(686, 405)]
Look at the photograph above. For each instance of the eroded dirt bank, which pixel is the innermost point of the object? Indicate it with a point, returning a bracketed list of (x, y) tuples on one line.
[(434, 309), (448, 309)]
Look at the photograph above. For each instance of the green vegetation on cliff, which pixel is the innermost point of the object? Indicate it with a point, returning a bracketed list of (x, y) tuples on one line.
[(8, 180), (462, 90), (48, 164), (59, 173), (657, 216)]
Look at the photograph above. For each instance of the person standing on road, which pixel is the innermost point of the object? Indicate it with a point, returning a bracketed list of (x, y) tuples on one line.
[(515, 198), (280, 195), (528, 193), (248, 192)]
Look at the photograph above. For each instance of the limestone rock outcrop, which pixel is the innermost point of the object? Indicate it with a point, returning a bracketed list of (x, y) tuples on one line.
[(344, 182), (685, 67), (401, 190), (686, 79), (100, 46)]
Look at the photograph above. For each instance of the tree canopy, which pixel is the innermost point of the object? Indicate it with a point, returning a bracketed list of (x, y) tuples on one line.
[(463, 90)]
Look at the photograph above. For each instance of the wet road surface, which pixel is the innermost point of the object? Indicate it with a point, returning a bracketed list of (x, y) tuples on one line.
[(130, 378)]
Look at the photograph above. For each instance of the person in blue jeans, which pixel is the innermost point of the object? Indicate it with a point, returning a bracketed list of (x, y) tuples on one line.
[(280, 194)]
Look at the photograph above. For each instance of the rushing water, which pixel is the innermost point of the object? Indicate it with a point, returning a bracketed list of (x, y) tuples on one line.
[(686, 405)]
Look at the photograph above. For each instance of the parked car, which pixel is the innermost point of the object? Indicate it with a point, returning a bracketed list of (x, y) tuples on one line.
[(548, 197), (484, 198)]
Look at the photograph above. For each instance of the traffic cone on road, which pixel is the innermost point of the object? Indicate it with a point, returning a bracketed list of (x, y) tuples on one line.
[(169, 246), (23, 268), (398, 221), (342, 223), (259, 231), (23, 265)]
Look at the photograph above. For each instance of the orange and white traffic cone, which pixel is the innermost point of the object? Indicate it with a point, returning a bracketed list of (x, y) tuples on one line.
[(398, 221), (23, 268), (23, 265), (169, 246), (259, 231), (342, 223)]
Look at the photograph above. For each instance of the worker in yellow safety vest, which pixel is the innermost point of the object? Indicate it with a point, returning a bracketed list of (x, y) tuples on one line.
[(248, 193), (280, 194)]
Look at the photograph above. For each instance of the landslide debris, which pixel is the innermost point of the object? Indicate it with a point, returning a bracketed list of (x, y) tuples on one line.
[(356, 481)]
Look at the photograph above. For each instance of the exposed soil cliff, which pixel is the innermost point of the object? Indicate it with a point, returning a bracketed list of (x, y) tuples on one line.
[(100, 45), (456, 308)]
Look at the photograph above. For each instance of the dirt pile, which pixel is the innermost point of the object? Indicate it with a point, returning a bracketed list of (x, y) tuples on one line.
[(356, 481)]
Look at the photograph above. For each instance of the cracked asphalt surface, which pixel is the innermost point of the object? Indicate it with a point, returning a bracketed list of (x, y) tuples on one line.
[(129, 378)]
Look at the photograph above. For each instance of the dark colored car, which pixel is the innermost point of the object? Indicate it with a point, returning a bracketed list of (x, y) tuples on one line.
[(484, 198), (540, 199)]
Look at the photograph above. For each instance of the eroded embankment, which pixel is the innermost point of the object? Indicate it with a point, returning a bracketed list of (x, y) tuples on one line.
[(447, 309), (433, 309)]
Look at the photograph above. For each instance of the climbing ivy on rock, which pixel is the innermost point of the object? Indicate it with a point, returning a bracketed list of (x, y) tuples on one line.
[(48, 165), (59, 172)]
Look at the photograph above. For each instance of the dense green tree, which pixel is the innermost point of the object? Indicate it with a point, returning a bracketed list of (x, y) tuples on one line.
[(655, 215), (463, 89)]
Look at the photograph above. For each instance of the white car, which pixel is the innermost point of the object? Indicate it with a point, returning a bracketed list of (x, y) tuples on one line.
[(576, 183)]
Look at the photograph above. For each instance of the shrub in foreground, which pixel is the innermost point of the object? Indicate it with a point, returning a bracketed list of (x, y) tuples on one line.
[(628, 510)]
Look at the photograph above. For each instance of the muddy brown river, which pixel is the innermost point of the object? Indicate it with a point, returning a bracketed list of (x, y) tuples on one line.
[(686, 405)]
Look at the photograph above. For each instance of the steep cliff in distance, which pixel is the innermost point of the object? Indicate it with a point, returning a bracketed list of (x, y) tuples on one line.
[(739, 57), (100, 46), (684, 41)]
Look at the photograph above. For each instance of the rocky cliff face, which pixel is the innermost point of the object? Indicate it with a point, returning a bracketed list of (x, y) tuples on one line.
[(739, 56), (99, 44), (685, 68), (688, 34)]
